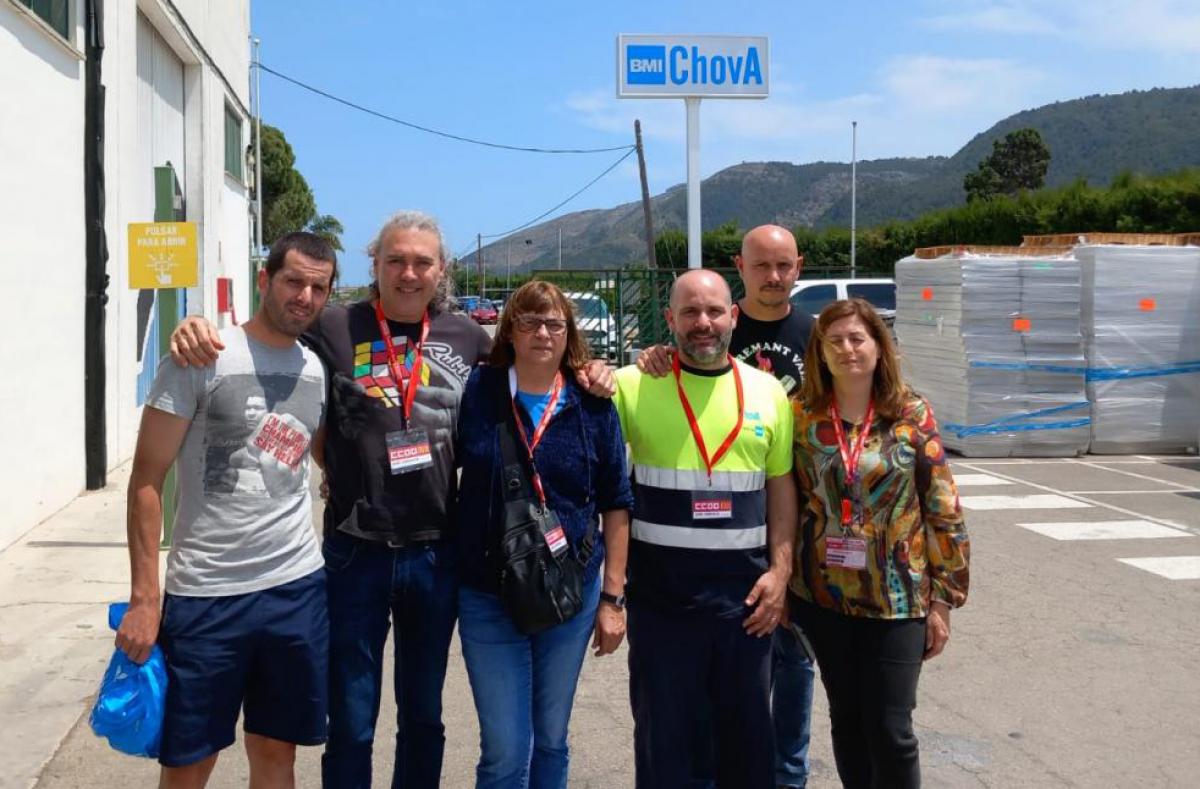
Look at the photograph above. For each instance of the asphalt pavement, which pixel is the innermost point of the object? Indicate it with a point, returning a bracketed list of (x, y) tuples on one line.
[(1072, 665)]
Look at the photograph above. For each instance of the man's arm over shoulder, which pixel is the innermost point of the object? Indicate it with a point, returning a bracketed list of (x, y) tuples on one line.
[(196, 342)]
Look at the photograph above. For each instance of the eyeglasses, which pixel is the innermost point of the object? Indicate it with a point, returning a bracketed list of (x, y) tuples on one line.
[(531, 323)]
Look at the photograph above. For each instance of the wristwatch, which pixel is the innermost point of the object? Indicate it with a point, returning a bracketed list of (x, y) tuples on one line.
[(615, 600)]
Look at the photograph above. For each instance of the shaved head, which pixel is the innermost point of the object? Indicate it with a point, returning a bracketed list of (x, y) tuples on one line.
[(770, 241), (769, 264), (689, 283), (702, 316)]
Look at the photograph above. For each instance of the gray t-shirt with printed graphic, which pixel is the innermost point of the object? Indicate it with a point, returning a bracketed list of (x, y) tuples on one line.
[(244, 517)]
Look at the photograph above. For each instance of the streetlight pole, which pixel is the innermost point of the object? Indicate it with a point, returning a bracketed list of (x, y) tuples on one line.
[(508, 261), (853, 195)]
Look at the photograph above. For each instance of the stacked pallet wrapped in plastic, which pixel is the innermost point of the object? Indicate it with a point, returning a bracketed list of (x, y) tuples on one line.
[(994, 341), (1141, 319)]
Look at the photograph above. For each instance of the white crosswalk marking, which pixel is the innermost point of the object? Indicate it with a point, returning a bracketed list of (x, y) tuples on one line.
[(1174, 568), (1035, 501), (1105, 530), (967, 480)]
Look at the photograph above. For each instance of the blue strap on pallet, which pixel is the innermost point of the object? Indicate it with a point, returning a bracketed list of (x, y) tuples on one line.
[(1096, 373), (1021, 422)]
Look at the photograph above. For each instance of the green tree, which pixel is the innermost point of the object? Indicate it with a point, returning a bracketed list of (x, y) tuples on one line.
[(1017, 162), (717, 247), (288, 202), (670, 249), (1132, 204), (328, 227)]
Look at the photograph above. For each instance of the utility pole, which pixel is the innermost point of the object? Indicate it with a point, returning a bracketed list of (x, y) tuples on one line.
[(560, 247), (651, 262), (258, 185), (479, 260), (853, 195), (508, 262)]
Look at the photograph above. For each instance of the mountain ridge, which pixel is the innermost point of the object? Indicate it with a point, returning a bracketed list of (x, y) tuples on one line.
[(1094, 137)]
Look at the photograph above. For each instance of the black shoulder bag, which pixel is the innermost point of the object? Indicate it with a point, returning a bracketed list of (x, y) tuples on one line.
[(540, 586)]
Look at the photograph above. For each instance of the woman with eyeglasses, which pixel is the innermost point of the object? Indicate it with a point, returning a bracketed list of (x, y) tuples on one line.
[(524, 685), (881, 549)]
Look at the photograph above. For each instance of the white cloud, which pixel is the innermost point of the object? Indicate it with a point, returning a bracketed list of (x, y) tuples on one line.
[(1160, 27), (602, 110), (991, 17), (955, 85)]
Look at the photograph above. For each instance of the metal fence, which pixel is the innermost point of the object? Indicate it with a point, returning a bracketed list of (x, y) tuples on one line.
[(621, 311)]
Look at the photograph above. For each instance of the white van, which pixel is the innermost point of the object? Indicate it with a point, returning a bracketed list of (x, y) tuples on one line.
[(595, 323), (813, 295)]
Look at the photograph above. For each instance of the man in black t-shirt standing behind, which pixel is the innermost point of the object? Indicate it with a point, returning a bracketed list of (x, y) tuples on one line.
[(772, 336)]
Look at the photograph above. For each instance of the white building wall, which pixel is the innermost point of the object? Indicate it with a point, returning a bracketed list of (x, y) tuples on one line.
[(43, 264), (41, 270), (216, 202)]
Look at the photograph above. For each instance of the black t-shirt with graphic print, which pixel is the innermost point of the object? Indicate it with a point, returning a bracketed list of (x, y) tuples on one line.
[(366, 499), (776, 347)]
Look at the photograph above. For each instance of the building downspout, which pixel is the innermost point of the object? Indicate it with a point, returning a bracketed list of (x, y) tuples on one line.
[(96, 279)]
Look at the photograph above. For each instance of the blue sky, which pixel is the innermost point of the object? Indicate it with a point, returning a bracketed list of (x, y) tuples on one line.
[(921, 78)]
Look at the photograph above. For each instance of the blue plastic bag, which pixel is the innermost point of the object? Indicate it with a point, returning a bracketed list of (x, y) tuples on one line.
[(129, 709)]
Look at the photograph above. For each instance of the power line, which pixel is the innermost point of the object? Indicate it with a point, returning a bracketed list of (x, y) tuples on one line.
[(583, 189), (426, 129), (464, 251)]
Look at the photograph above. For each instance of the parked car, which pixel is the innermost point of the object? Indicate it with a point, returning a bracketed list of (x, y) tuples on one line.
[(484, 312), (813, 295), (465, 304)]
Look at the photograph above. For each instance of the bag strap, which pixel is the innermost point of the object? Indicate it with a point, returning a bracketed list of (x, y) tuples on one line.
[(515, 476), (517, 471)]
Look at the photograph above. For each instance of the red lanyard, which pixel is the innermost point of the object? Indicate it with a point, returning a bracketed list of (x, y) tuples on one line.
[(539, 431), (850, 457), (407, 388), (695, 426)]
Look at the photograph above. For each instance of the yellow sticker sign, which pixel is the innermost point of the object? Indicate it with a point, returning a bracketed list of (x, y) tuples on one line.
[(163, 255)]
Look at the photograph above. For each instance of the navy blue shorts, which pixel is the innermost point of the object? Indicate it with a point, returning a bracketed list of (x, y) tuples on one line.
[(267, 651)]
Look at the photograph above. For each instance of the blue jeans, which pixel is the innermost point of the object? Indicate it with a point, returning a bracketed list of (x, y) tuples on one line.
[(414, 587), (524, 687), (791, 707)]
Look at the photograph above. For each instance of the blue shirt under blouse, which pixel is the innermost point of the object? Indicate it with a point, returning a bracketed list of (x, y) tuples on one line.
[(534, 405), (581, 460)]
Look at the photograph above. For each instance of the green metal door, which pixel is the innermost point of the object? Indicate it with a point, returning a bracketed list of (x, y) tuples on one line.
[(168, 207)]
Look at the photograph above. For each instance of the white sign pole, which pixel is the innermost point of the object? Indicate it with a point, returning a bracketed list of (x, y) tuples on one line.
[(693, 180)]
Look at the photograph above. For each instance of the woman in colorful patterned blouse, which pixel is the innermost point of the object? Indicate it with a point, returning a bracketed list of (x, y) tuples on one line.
[(881, 553)]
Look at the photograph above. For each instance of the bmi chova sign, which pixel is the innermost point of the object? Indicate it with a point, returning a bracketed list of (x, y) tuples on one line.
[(692, 66)]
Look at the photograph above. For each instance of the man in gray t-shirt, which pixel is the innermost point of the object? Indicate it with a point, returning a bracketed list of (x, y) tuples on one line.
[(244, 621)]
